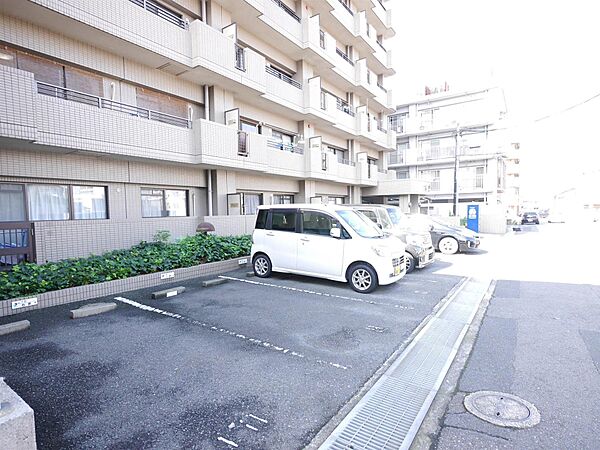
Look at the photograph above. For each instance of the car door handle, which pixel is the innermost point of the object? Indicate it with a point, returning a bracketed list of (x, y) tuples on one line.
[(305, 239), (270, 234)]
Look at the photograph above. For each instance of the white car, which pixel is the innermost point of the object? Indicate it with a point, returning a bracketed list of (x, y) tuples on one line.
[(326, 241)]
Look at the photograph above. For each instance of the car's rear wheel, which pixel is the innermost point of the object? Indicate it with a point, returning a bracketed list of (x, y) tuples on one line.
[(448, 245), (410, 262), (362, 278), (262, 266)]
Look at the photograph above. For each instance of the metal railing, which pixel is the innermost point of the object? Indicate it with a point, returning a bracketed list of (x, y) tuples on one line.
[(323, 100), (287, 9), (380, 170), (322, 39), (162, 12), (323, 160), (397, 158), (381, 45), (381, 3), (344, 106), (242, 143), (381, 128), (436, 153), (347, 162), (346, 7), (104, 103), (240, 58), (282, 76), (16, 244), (286, 147), (380, 86), (344, 56)]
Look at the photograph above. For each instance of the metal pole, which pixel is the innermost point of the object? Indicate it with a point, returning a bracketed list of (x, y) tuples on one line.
[(455, 196)]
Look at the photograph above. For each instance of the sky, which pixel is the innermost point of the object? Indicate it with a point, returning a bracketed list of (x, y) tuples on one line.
[(544, 54)]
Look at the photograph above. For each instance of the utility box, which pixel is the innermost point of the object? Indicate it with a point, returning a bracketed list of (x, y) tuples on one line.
[(473, 218)]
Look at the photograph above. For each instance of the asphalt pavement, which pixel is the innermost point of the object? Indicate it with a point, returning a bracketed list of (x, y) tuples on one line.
[(253, 363), (539, 340)]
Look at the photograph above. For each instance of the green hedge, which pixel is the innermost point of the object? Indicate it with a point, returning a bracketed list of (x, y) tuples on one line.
[(29, 279)]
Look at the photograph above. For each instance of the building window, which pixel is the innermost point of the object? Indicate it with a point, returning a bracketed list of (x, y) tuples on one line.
[(283, 199), (251, 203), (402, 175), (164, 203), (248, 126), (89, 202), (283, 141), (48, 202), (12, 203)]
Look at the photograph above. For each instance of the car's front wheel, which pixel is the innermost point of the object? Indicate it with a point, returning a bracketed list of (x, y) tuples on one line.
[(410, 262), (262, 266), (362, 278), (448, 245)]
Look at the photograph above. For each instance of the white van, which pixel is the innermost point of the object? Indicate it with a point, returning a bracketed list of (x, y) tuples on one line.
[(326, 241)]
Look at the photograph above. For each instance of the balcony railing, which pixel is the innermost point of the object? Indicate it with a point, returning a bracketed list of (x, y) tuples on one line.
[(240, 58), (344, 56), (381, 128), (397, 158), (282, 76), (242, 143), (344, 107), (381, 3), (162, 12), (380, 86), (347, 162), (16, 244), (286, 147), (104, 103), (346, 7), (287, 9), (381, 45)]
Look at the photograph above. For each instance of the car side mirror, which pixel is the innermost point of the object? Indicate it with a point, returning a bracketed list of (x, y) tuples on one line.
[(430, 227), (380, 226), (335, 233)]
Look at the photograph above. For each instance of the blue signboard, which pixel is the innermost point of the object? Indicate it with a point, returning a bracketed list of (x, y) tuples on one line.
[(473, 218)]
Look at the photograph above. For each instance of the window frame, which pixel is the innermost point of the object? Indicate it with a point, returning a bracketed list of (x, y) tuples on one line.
[(315, 211), (72, 201), (164, 200), (297, 224)]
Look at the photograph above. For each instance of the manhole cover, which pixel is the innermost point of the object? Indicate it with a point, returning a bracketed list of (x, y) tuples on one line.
[(501, 409)]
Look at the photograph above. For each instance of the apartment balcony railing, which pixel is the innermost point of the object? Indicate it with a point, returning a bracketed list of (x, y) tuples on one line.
[(397, 158), (381, 45), (162, 12), (104, 103), (287, 9), (347, 162), (436, 153), (381, 128), (282, 76), (380, 86), (344, 107), (344, 56), (346, 7), (240, 58), (286, 147), (382, 5)]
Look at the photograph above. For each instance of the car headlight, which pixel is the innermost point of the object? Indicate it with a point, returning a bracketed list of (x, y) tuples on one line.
[(381, 251)]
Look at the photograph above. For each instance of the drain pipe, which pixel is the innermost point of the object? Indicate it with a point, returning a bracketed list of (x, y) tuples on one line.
[(204, 11), (207, 117)]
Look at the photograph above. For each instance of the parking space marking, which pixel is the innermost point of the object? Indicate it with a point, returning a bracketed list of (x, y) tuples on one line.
[(308, 291), (227, 441), (259, 342)]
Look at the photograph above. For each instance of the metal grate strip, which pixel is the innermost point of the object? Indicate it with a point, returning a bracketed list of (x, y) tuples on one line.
[(390, 413)]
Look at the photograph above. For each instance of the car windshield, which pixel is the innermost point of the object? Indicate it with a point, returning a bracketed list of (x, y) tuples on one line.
[(360, 223), (397, 217)]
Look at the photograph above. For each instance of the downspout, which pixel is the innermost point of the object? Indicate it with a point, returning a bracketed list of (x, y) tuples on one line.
[(204, 11), (207, 117)]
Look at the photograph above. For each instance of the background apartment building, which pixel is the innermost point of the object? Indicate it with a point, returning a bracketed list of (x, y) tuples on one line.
[(119, 118), (430, 131)]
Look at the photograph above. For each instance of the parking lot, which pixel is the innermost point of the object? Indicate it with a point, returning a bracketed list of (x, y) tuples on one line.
[(253, 363)]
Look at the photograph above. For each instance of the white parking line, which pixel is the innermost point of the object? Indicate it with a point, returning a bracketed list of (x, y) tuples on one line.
[(307, 291), (259, 342)]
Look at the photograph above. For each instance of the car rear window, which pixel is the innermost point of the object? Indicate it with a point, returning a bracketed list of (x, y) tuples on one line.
[(283, 220), (261, 219)]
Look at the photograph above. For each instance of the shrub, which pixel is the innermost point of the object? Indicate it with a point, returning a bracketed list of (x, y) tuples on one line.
[(146, 257)]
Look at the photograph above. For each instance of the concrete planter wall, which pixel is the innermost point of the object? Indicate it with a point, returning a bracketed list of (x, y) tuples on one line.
[(79, 293)]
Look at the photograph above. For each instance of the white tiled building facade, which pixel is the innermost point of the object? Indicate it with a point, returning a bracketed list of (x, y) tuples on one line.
[(427, 130), (119, 118)]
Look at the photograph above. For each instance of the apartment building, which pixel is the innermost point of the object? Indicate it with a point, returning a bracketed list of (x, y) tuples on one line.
[(430, 131), (119, 118)]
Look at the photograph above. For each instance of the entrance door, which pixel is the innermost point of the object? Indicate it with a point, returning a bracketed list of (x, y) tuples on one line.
[(318, 252)]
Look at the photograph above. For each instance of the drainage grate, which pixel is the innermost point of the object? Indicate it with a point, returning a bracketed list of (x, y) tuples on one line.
[(390, 414)]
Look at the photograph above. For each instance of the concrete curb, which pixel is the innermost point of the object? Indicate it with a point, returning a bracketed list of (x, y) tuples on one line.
[(91, 309), (166, 293), (214, 282), (90, 291), (13, 327), (17, 425)]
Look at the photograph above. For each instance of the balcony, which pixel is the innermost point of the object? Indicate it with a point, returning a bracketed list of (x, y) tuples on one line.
[(392, 187), (41, 114), (324, 165), (381, 18), (162, 12), (283, 89)]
